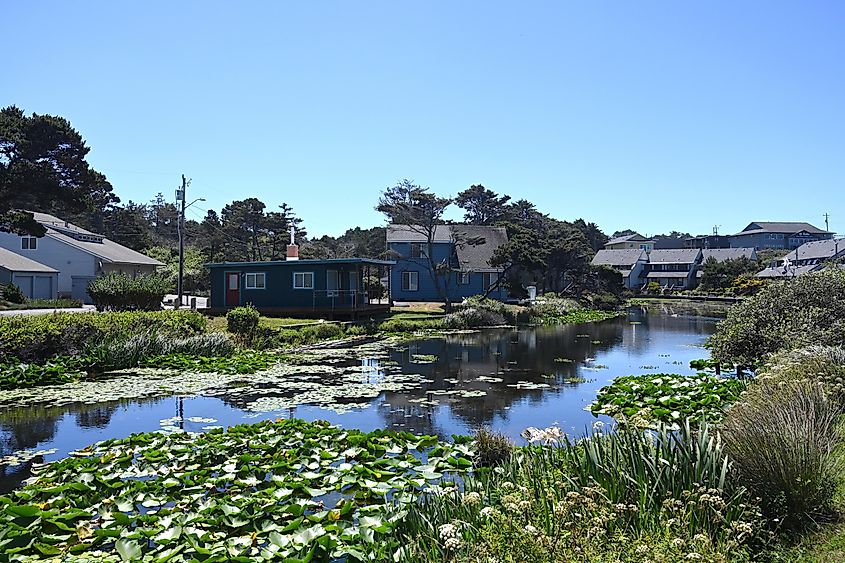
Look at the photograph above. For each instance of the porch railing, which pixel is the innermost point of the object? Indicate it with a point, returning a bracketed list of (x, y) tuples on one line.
[(343, 298)]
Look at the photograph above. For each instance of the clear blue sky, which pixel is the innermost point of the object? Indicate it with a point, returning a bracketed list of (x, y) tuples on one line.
[(646, 115)]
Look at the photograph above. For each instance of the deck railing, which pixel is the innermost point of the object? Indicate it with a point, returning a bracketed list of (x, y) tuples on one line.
[(343, 298)]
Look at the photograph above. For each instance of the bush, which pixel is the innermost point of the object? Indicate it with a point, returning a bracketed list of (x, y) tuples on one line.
[(784, 440), (242, 320), (491, 448), (410, 325), (473, 318), (120, 292), (507, 313), (653, 288), (605, 301), (310, 333), (13, 294), (118, 352), (813, 363), (809, 309), (40, 337)]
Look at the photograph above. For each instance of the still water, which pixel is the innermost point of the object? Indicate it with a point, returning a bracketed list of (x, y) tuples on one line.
[(505, 379)]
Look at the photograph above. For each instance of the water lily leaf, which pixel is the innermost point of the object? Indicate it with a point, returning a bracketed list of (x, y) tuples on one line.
[(127, 549)]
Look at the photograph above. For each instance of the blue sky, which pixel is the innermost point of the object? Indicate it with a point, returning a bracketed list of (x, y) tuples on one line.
[(646, 115)]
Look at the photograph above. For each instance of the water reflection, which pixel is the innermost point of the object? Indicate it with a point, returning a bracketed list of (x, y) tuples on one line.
[(505, 379)]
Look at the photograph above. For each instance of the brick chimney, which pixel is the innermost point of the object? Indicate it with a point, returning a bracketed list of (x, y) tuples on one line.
[(293, 249)]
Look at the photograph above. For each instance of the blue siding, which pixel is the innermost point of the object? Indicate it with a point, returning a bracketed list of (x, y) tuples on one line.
[(427, 290)]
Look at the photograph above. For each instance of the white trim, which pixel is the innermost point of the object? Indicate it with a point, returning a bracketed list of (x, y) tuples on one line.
[(410, 274), (255, 279), (303, 274)]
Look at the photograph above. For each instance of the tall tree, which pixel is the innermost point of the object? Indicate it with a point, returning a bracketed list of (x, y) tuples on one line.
[(482, 206), (43, 168), (409, 204), (593, 233)]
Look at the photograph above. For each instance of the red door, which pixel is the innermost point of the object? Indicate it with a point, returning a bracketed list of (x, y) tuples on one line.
[(233, 289)]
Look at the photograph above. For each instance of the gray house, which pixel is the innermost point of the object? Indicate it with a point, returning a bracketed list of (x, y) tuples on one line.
[(674, 269), (763, 235), (36, 280), (809, 257), (631, 263), (77, 255), (723, 254)]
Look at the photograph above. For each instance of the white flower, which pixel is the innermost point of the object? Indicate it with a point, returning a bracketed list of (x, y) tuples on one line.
[(532, 530), (472, 499), (487, 512)]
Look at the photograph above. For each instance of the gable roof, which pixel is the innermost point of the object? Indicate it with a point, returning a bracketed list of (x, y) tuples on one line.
[(674, 256), (97, 245), (409, 233), (627, 238), (777, 271), (15, 262), (477, 257), (722, 254), (780, 227), (622, 257), (820, 249)]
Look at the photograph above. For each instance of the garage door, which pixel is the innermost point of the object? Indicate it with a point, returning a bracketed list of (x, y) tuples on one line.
[(42, 287), (79, 288), (24, 281)]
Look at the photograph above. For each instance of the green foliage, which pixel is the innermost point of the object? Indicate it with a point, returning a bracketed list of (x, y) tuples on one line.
[(652, 288), (290, 489), (242, 320), (309, 334), (654, 399), (628, 495), (12, 294), (40, 337), (53, 303), (825, 364), (121, 352), (723, 275), (606, 301), (809, 309), (14, 374), (409, 325), (244, 361), (121, 292), (785, 440), (195, 275), (491, 447), (481, 206)]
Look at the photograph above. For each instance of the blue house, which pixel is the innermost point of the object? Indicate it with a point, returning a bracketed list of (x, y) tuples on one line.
[(336, 288), (763, 235), (464, 251)]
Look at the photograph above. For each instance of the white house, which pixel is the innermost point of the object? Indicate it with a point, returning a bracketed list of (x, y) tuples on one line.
[(630, 262), (77, 255)]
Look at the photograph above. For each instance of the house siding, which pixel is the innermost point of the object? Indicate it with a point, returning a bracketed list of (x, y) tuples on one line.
[(69, 261)]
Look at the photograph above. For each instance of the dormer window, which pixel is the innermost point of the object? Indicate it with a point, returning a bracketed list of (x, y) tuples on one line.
[(29, 243)]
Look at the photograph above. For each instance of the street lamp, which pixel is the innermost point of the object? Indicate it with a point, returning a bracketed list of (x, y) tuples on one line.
[(180, 196)]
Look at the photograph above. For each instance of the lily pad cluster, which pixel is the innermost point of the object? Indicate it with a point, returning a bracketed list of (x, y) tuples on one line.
[(287, 490), (647, 400)]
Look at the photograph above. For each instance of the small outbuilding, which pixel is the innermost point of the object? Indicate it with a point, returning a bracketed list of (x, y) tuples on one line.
[(36, 280)]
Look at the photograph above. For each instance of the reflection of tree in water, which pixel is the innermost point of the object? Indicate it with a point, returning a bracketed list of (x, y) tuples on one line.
[(98, 416)]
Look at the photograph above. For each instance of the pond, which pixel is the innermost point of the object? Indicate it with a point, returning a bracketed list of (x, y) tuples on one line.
[(507, 379)]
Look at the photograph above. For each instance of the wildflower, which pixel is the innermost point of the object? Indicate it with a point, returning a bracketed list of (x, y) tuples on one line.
[(700, 538), (677, 543), (472, 498), (507, 485), (532, 530), (693, 556), (642, 549), (488, 512)]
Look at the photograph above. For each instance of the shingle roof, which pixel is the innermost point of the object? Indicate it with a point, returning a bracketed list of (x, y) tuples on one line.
[(92, 243), (624, 257), (475, 257), (15, 262), (627, 238), (817, 249), (667, 274), (722, 254), (780, 227), (410, 233), (777, 272), (674, 256)]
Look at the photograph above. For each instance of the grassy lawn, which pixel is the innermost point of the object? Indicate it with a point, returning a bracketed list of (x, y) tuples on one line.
[(423, 308), (218, 324), (825, 546)]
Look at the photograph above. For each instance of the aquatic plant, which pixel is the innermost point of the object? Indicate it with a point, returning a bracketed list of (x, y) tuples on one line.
[(662, 398), (491, 447), (274, 490)]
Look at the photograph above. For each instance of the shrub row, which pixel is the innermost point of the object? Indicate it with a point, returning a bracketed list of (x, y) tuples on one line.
[(120, 292), (37, 338)]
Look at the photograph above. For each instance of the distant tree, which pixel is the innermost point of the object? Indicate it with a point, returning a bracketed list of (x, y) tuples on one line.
[(722, 275), (595, 237), (482, 206), (43, 168), (243, 222), (625, 233), (196, 276), (163, 217), (409, 204), (127, 225), (524, 212)]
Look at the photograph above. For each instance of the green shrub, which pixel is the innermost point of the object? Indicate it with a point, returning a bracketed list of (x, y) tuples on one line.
[(310, 334), (118, 352), (784, 439), (410, 325), (825, 364), (242, 320), (809, 309), (472, 317), (53, 303), (605, 301), (40, 337), (491, 448), (120, 292), (653, 288), (13, 294), (489, 308)]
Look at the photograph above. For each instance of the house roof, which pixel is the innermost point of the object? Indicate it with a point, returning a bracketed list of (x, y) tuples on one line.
[(15, 262), (674, 256), (92, 243), (722, 254), (302, 263), (667, 274), (777, 271), (474, 257), (623, 257), (627, 238), (758, 227), (820, 249)]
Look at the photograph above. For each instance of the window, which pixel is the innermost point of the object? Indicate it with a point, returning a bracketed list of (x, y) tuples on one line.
[(488, 279), (255, 280), (463, 278), (29, 243), (410, 281), (418, 250), (303, 280)]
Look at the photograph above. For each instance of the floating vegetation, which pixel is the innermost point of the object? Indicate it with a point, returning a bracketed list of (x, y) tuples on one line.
[(595, 341), (273, 490), (564, 360), (529, 385), (489, 379), (647, 400), (572, 380), (649, 367), (423, 358), (21, 457)]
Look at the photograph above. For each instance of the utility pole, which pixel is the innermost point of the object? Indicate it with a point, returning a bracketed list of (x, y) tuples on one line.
[(826, 226), (180, 228)]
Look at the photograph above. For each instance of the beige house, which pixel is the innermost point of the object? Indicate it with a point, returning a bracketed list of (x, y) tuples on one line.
[(635, 241)]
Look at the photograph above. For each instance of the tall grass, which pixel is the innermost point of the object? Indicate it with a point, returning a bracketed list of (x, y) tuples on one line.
[(121, 353), (785, 439)]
